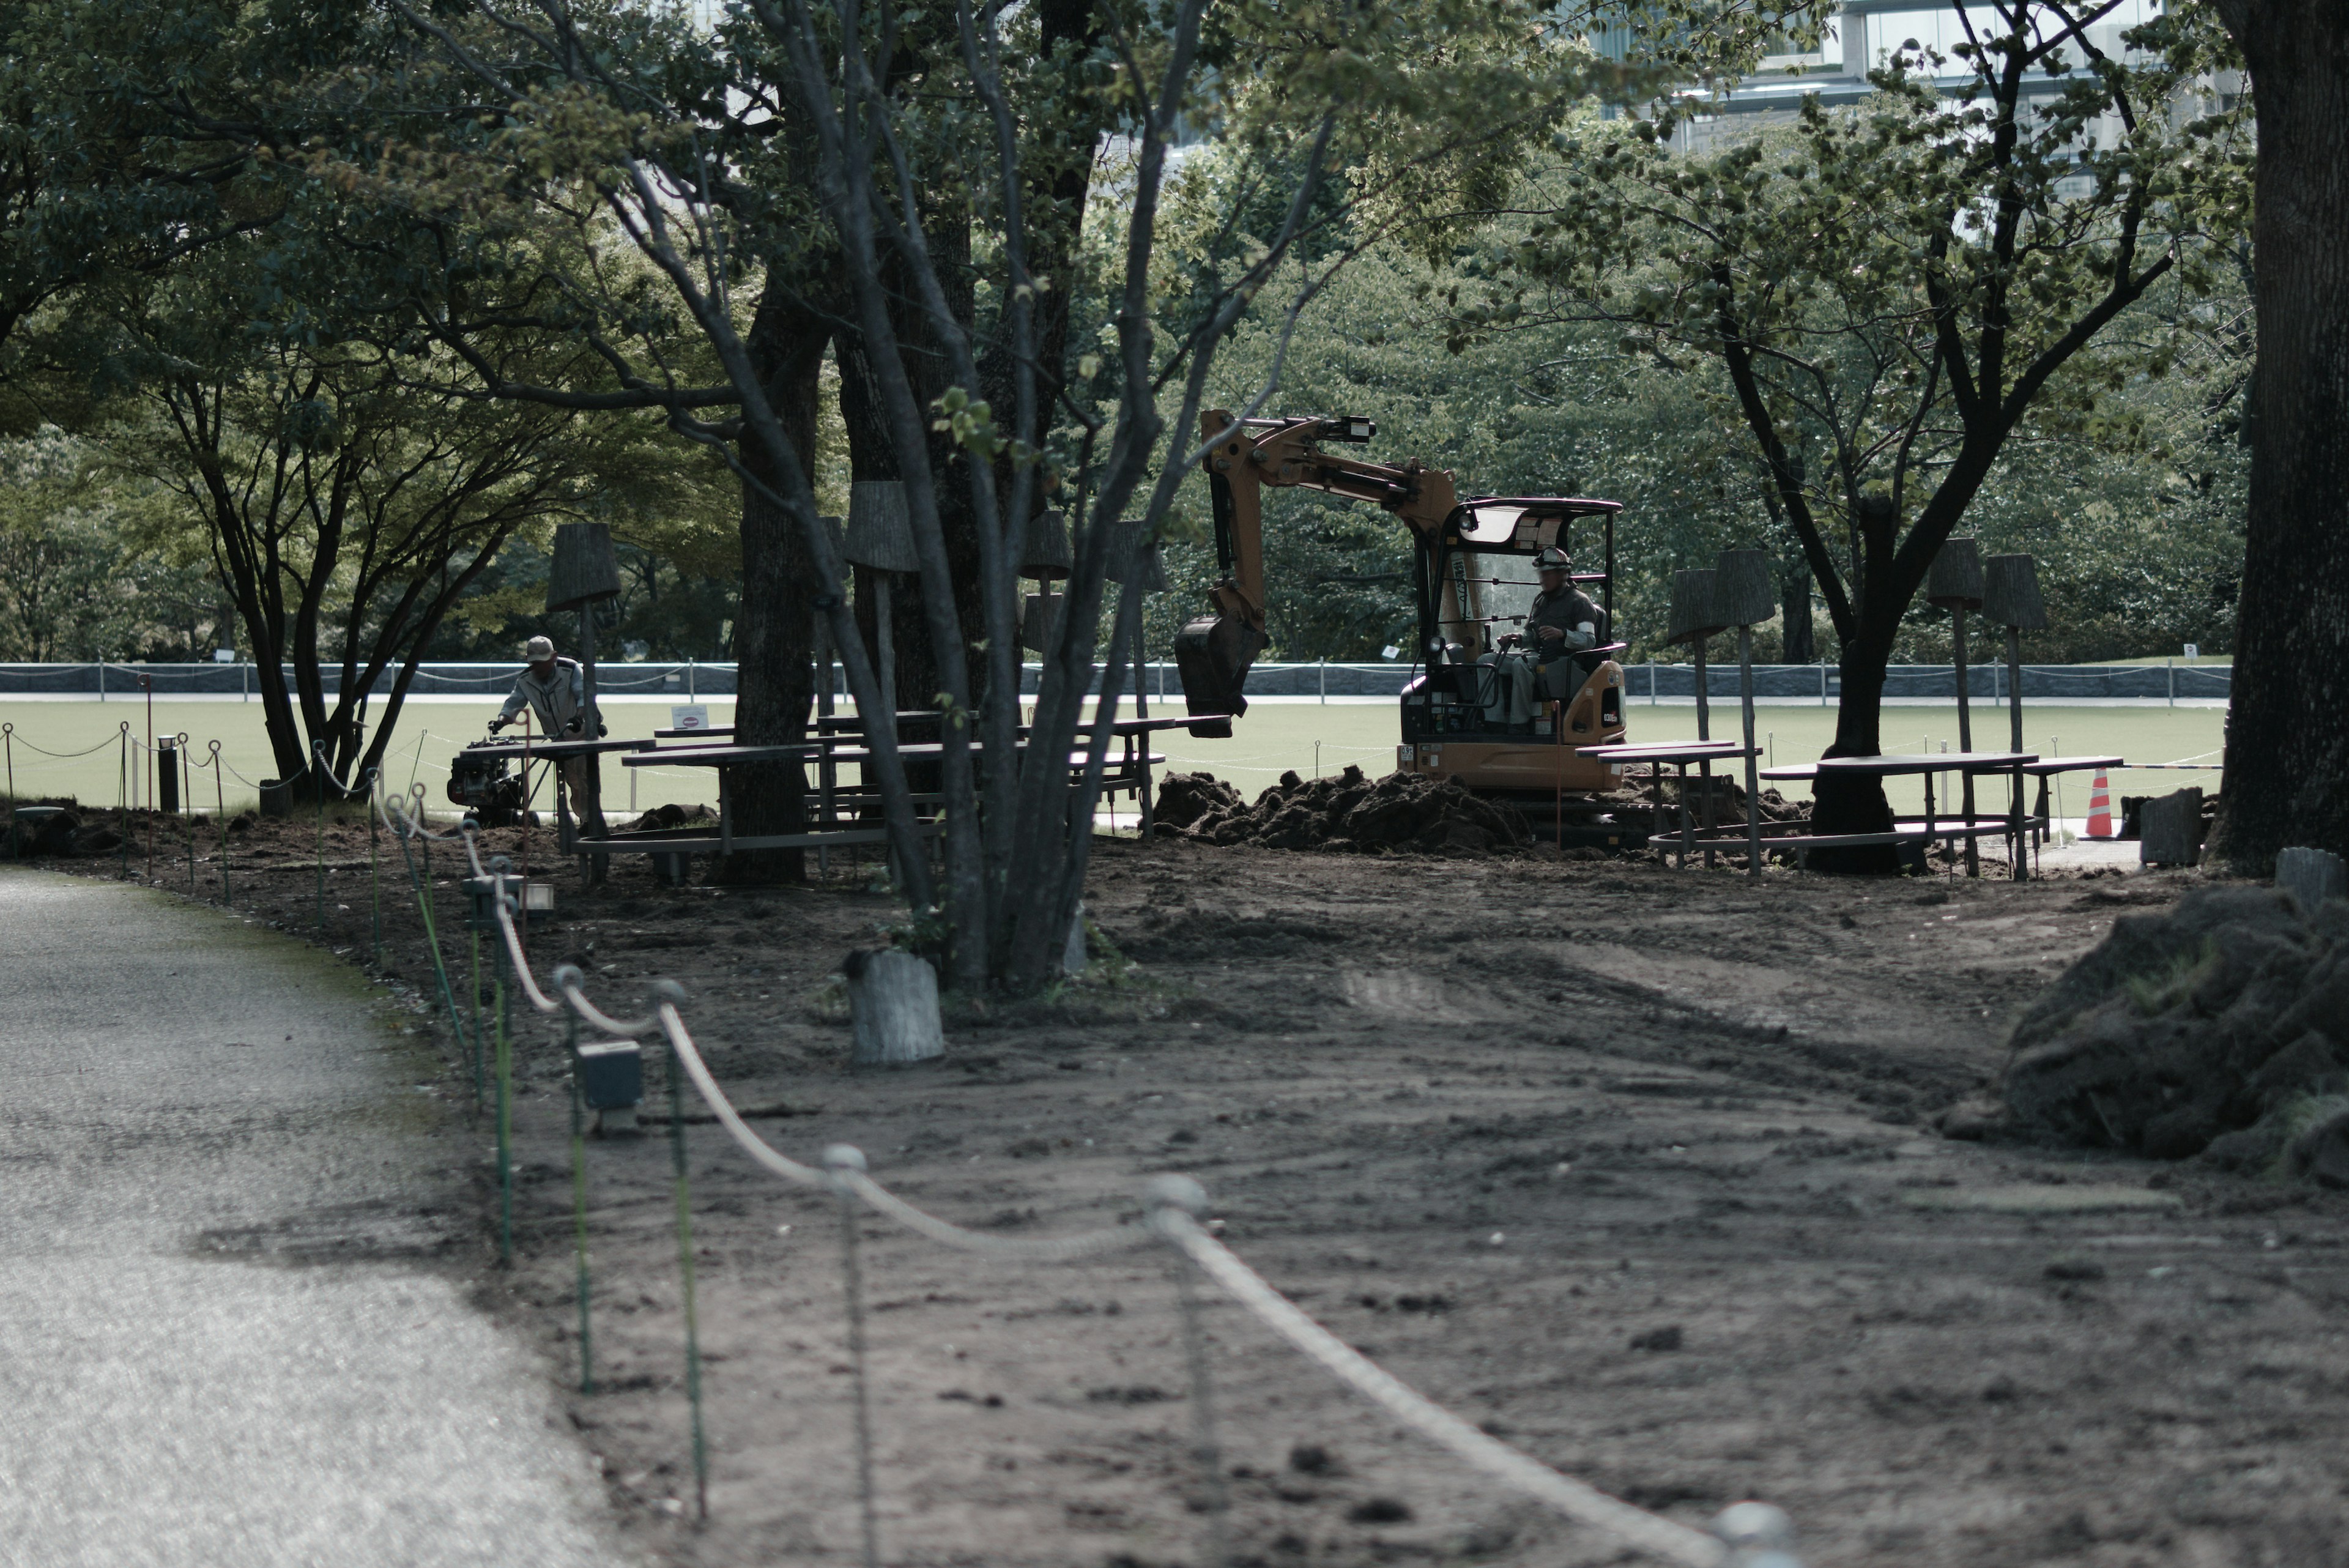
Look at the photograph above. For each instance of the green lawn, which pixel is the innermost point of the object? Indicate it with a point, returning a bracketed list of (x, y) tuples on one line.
[(1273, 738), (428, 734), (1277, 736)]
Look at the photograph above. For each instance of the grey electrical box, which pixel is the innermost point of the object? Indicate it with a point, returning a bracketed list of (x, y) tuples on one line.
[(611, 1079)]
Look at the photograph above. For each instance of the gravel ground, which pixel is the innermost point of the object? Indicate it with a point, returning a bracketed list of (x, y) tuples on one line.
[(1634, 1166)]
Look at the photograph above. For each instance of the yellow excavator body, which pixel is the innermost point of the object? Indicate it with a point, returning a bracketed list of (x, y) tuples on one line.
[(1455, 722)]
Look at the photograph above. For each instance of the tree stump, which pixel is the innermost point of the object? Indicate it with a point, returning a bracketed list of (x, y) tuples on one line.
[(2311, 876), (2171, 829), (893, 1009)]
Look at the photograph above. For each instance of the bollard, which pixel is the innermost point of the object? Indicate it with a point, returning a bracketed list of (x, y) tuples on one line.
[(893, 1009), (2311, 876)]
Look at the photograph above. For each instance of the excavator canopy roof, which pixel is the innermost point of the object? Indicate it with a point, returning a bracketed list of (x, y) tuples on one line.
[(1525, 524)]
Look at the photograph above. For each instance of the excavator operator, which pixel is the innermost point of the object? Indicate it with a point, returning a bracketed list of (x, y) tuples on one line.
[(1563, 618)]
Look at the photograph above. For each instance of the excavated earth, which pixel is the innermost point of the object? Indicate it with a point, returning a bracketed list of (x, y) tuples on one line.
[(1349, 812), (1637, 1167)]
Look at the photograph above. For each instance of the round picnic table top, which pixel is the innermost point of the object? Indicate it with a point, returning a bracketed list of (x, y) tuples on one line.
[(2046, 765), (1669, 751), (558, 750), (1929, 762)]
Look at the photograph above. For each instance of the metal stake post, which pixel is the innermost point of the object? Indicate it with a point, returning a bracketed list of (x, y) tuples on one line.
[(504, 1006), (122, 787), (840, 1160), (375, 873), (579, 1190), (1965, 736), (220, 816), (318, 772), (147, 685), (684, 1275)]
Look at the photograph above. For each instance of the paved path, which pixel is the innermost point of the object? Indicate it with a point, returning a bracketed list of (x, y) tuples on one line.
[(211, 1348)]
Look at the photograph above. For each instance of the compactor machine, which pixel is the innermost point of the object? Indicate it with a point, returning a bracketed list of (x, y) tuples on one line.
[(1484, 705)]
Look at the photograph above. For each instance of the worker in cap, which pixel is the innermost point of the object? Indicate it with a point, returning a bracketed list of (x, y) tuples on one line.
[(555, 692), (553, 688), (1563, 622)]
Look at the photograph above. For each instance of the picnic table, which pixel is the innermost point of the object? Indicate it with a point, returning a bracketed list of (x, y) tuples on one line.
[(1678, 755), (1126, 770), (1933, 824)]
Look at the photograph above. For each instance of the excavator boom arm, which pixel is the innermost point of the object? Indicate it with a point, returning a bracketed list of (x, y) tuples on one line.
[(1214, 652)]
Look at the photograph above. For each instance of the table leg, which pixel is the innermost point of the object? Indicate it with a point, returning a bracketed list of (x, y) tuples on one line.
[(1928, 817), (1705, 770), (1687, 817), (2018, 851), (1656, 790), (725, 813)]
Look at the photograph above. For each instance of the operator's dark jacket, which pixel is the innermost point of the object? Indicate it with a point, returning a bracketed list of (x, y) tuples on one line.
[(1566, 609)]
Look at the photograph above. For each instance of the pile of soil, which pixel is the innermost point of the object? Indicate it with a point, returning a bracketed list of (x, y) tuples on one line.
[(61, 829), (1634, 805), (671, 816), (1411, 811), (2220, 1029), (1401, 810)]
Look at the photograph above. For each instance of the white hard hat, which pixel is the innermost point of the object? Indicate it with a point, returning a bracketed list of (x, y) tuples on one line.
[(539, 650)]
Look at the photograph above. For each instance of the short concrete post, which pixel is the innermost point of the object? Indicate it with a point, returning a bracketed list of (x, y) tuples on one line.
[(893, 1009), (1756, 1535), (1073, 958), (2311, 876), (2170, 831)]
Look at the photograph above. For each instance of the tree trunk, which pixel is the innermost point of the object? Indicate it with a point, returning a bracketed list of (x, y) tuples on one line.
[(2287, 765), (774, 634), (1799, 645), (1857, 804)]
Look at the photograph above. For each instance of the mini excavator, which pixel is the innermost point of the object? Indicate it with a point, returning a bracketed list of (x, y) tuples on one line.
[(1486, 709)]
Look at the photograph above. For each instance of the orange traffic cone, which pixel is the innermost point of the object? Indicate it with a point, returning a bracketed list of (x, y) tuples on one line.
[(2100, 808)]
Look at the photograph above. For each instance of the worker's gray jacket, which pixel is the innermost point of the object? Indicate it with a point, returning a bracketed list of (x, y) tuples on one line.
[(554, 699), (1566, 609)]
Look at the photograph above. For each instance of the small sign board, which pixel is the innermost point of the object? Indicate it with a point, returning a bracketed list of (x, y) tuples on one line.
[(694, 716), (2193, 650)]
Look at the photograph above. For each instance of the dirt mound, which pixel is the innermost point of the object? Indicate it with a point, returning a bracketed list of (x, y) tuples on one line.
[(58, 828), (1345, 812), (1634, 805), (2212, 1030), (662, 817)]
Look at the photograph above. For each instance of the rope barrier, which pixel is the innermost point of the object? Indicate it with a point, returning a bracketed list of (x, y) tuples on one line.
[(1172, 1204), (109, 740), (1748, 1536)]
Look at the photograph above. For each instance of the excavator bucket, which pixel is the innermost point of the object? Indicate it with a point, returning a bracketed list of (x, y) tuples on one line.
[(1212, 655)]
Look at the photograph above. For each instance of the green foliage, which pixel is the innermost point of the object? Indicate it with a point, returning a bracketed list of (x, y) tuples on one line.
[(82, 575), (1893, 293)]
